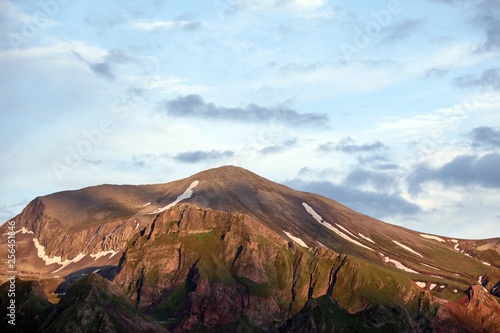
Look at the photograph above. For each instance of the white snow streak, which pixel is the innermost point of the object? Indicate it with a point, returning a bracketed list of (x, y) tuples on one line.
[(442, 286), (486, 263), (103, 253), (407, 248), (186, 195), (146, 204), (320, 244), (367, 238), (456, 247), (437, 269), (439, 239), (25, 231), (55, 260), (398, 264), (350, 233), (433, 285), (454, 240), (320, 220), (421, 284), (296, 239)]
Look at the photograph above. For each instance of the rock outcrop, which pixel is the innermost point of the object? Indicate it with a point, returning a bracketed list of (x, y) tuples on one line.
[(476, 311)]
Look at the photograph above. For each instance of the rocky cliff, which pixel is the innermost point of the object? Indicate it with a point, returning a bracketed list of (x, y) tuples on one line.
[(226, 250)]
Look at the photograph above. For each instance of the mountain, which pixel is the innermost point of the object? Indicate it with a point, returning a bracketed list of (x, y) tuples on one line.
[(228, 250)]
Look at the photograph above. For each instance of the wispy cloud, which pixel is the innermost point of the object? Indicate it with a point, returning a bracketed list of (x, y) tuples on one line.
[(193, 106), (348, 145), (488, 79), (463, 170), (401, 30), (379, 205), (165, 25), (202, 156)]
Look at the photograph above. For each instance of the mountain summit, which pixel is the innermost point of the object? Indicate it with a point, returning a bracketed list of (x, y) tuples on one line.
[(228, 250)]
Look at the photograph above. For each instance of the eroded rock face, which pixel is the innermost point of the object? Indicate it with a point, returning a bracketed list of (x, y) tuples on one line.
[(216, 267), (476, 311), (94, 304)]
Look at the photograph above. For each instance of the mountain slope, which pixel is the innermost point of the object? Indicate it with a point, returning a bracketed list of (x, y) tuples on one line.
[(226, 248)]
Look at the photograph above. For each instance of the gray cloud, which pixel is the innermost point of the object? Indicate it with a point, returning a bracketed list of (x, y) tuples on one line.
[(380, 180), (199, 156), (193, 106), (488, 16), (436, 72), (104, 68), (278, 148), (378, 205), (488, 79), (348, 145), (485, 137), (464, 170), (401, 30)]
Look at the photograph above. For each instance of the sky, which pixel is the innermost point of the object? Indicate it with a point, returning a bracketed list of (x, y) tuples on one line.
[(389, 107)]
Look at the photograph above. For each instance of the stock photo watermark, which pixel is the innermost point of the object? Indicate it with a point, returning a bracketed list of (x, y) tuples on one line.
[(367, 34), (121, 109), (11, 272), (46, 11)]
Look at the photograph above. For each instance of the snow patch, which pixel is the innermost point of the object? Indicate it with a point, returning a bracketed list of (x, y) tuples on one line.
[(486, 263), (407, 248), (55, 260), (146, 204), (455, 291), (398, 264), (454, 240), (367, 238), (103, 254), (432, 286), (136, 226), (456, 274), (320, 244), (313, 213), (437, 269), (318, 218), (23, 230), (456, 247), (439, 239), (350, 233), (186, 195), (442, 286), (436, 276), (296, 239), (421, 284)]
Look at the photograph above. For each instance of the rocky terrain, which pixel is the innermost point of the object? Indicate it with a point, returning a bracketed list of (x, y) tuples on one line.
[(228, 251)]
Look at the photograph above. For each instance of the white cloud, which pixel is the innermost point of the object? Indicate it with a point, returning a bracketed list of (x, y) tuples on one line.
[(152, 25)]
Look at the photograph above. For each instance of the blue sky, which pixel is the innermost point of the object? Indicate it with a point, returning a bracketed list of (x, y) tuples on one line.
[(389, 107)]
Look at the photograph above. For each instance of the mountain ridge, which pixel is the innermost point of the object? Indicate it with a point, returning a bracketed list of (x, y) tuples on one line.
[(227, 231)]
